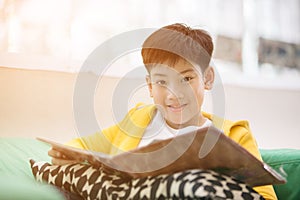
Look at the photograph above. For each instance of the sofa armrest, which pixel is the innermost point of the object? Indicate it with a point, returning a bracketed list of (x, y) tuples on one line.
[(287, 162)]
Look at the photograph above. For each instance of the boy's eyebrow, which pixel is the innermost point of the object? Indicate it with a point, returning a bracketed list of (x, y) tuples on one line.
[(182, 72), (187, 70), (158, 74)]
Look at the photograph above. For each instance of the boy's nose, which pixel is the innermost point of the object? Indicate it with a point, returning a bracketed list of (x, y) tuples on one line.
[(175, 93)]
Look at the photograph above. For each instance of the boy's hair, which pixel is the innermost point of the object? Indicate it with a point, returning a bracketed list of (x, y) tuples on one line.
[(177, 41)]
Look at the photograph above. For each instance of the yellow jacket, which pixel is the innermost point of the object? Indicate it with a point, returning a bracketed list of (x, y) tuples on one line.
[(127, 134)]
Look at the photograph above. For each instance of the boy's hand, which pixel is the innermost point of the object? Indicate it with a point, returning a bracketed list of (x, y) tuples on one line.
[(58, 158)]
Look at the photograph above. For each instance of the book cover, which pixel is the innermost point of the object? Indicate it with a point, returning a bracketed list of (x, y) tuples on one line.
[(206, 148)]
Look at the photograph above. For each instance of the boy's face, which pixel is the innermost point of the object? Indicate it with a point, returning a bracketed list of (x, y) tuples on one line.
[(178, 92)]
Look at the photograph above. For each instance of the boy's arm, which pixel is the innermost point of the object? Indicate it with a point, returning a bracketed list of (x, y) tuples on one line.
[(102, 141), (248, 141), (99, 142)]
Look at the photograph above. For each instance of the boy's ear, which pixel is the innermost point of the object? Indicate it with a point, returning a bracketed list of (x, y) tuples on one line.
[(209, 77), (148, 80)]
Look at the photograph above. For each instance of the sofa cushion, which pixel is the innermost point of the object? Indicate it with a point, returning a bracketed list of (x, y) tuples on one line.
[(287, 162), (92, 182), (15, 153), (16, 180), (20, 187)]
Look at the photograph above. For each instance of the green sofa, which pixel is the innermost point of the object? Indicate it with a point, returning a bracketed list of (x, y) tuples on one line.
[(17, 182)]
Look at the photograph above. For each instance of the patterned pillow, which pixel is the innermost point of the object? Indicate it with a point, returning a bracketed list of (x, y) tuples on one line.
[(90, 182)]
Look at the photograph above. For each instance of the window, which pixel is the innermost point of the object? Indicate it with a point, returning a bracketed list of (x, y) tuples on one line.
[(60, 34)]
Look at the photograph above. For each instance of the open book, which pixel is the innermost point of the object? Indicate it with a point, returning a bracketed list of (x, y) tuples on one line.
[(206, 148)]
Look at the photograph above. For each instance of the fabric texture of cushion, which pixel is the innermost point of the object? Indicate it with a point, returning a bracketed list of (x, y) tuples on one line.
[(286, 161), (16, 179), (16, 187), (15, 153), (91, 182)]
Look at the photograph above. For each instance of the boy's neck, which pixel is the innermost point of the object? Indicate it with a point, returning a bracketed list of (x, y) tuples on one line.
[(197, 122)]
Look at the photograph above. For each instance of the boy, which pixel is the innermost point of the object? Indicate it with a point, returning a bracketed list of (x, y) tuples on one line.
[(177, 60)]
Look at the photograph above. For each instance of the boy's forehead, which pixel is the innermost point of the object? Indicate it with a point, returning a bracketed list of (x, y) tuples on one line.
[(178, 67)]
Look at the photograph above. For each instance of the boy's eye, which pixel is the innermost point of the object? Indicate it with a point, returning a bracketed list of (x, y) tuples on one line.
[(187, 79), (161, 82)]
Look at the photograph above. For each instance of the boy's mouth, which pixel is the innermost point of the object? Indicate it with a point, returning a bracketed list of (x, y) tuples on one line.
[(176, 108)]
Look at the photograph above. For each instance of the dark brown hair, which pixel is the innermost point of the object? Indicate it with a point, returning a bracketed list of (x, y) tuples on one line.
[(177, 41)]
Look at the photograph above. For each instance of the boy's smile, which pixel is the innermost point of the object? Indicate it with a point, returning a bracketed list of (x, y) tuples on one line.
[(176, 108), (178, 92)]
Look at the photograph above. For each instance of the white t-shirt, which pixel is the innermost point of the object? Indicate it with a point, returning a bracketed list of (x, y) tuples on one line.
[(158, 129)]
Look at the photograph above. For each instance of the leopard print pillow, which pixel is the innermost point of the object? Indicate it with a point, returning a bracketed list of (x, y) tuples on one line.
[(90, 182)]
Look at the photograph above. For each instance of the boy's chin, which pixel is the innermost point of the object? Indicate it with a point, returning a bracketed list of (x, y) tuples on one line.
[(176, 124)]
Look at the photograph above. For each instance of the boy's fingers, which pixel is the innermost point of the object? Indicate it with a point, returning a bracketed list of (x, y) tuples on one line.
[(58, 158), (56, 161), (53, 153), (56, 154)]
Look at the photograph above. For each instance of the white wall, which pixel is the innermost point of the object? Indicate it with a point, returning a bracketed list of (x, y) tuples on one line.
[(273, 114)]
